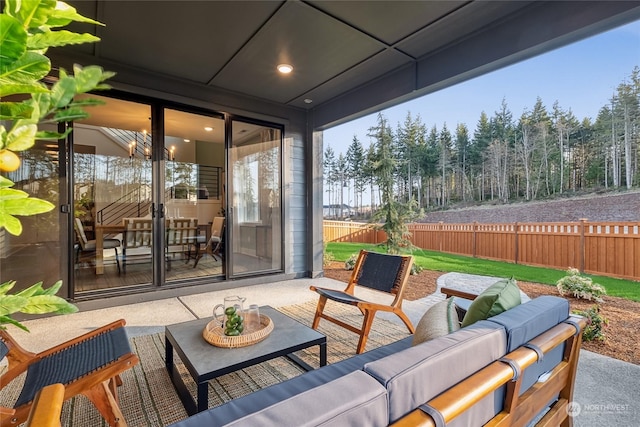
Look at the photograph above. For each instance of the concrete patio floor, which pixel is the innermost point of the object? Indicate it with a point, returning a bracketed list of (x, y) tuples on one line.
[(606, 391)]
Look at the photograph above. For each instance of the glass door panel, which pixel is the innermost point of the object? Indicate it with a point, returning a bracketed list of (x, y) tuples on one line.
[(43, 236), (193, 196), (255, 193), (112, 192)]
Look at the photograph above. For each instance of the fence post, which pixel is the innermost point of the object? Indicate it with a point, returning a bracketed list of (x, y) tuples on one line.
[(473, 238), (582, 244), (515, 233), (441, 227)]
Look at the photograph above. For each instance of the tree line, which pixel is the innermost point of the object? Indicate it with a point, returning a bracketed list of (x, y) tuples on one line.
[(538, 155)]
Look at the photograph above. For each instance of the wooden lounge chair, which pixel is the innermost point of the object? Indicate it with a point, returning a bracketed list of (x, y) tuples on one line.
[(90, 364), (380, 272)]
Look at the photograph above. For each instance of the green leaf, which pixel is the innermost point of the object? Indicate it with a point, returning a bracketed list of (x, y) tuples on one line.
[(10, 223), (5, 182), (12, 193), (8, 320), (88, 78), (53, 289), (59, 38), (15, 110), (8, 87), (25, 207), (28, 68), (7, 286), (64, 14), (62, 92), (13, 40), (48, 304), (12, 304), (21, 138), (52, 136), (41, 105), (32, 13), (35, 289), (70, 114), (86, 102), (103, 86)]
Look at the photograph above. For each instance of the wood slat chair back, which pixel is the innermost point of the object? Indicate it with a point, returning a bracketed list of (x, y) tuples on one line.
[(380, 272), (181, 237)]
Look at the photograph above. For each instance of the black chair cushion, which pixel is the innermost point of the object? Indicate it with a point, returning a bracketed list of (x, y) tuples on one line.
[(379, 271), (338, 296)]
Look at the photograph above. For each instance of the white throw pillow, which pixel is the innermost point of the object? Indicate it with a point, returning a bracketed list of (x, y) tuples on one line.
[(441, 319)]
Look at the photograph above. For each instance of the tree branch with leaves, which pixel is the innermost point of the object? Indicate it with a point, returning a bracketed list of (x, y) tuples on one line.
[(31, 96)]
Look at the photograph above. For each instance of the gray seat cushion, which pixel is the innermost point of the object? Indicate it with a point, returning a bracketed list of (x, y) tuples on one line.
[(416, 375), (261, 399), (527, 321), (354, 399)]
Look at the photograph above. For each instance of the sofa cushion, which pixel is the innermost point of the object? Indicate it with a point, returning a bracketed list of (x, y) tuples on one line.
[(417, 374), (497, 298), (261, 399), (439, 320), (527, 321), (532, 318)]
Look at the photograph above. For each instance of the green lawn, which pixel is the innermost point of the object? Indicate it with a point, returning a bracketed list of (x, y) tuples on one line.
[(463, 264)]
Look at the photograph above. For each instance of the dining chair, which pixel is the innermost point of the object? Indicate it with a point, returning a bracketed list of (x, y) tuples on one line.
[(213, 246), (86, 249)]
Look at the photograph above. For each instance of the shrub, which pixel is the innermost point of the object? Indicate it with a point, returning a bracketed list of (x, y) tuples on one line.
[(327, 257), (595, 324), (580, 286), (350, 263), (416, 269)]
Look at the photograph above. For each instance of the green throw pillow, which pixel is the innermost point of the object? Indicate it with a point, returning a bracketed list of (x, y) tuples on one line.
[(497, 298)]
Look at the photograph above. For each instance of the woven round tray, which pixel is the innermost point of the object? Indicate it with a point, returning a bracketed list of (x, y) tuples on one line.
[(213, 333)]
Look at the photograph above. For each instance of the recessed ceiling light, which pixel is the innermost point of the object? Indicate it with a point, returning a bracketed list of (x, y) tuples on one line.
[(308, 100), (187, 140), (285, 68), (208, 128)]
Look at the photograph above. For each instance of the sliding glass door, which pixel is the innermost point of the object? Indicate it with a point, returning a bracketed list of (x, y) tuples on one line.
[(34, 255), (255, 198), (112, 192), (150, 202), (193, 195)]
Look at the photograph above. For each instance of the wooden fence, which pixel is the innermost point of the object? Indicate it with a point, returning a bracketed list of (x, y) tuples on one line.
[(604, 248)]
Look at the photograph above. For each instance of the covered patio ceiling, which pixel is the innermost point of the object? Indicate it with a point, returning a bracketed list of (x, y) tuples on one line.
[(349, 58)]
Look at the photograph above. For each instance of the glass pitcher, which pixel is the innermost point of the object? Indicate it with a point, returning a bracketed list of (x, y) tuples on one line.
[(231, 301)]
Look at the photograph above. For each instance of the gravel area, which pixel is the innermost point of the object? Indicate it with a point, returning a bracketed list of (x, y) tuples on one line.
[(594, 207)]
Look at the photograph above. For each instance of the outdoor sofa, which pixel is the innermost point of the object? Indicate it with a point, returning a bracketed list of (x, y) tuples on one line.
[(513, 368)]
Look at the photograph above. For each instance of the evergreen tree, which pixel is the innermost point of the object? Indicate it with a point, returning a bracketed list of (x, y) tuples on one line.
[(355, 161)]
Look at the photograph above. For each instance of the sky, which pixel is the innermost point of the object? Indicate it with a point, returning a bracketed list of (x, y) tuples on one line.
[(581, 77)]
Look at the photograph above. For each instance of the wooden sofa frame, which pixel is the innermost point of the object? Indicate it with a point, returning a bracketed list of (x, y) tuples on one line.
[(518, 410)]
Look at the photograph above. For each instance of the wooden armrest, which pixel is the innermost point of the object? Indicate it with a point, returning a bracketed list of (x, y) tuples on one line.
[(6, 412), (449, 292), (47, 407)]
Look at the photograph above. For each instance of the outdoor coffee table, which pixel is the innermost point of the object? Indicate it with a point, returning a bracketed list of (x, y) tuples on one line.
[(206, 362)]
